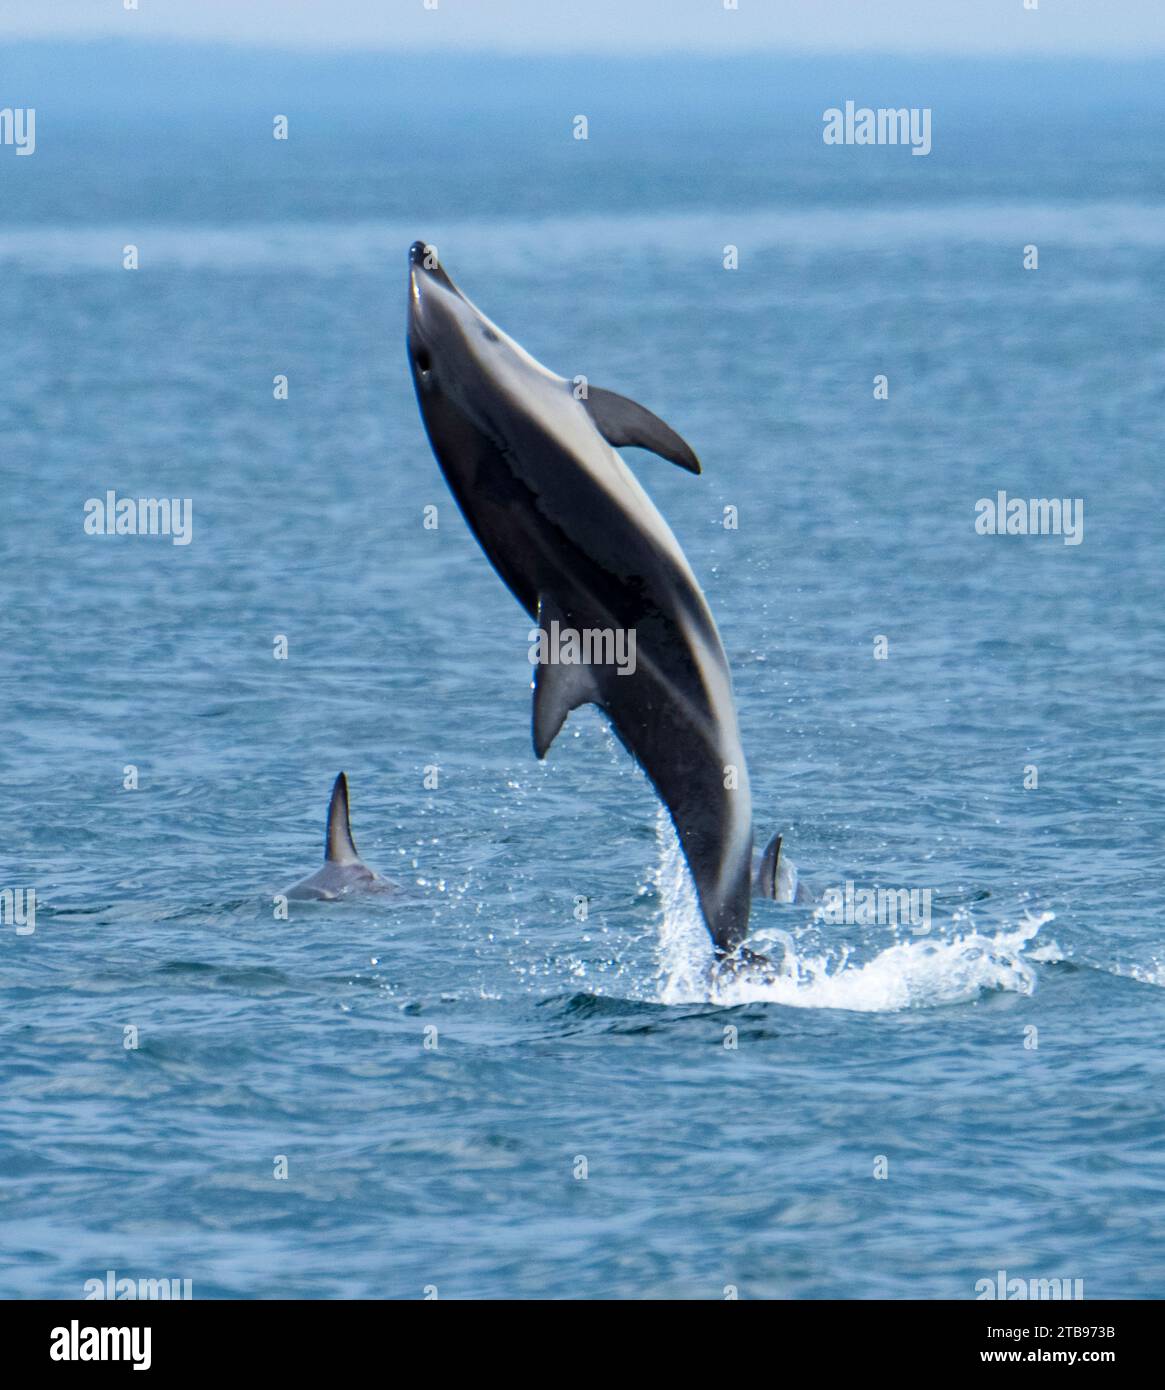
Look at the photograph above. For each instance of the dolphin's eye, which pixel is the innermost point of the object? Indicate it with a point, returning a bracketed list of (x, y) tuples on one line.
[(424, 366), (489, 335)]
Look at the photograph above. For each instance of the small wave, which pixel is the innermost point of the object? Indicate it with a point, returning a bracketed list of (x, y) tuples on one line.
[(1051, 953), (908, 975)]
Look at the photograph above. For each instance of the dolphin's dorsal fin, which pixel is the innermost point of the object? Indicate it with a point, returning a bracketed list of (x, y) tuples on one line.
[(339, 847), (766, 883), (558, 688), (625, 422)]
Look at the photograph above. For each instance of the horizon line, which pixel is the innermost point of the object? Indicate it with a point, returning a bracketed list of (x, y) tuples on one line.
[(310, 48)]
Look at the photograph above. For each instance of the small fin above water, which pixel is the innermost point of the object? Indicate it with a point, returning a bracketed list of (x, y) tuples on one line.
[(339, 847), (341, 875), (765, 884), (776, 877), (622, 421)]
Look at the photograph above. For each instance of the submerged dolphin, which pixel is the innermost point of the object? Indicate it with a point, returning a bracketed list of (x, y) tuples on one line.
[(580, 544), (342, 875)]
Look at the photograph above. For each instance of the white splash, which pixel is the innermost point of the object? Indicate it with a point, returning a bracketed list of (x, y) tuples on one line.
[(1151, 974), (918, 973)]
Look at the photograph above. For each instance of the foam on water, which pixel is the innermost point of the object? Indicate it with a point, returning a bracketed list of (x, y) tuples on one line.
[(908, 974)]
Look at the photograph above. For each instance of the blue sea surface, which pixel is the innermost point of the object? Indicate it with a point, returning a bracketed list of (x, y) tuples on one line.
[(468, 1087)]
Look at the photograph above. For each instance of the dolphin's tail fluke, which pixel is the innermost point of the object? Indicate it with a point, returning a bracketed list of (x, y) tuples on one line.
[(776, 876), (339, 847)]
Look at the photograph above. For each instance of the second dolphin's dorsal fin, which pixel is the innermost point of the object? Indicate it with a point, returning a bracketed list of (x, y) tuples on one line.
[(767, 875), (777, 877), (625, 422), (559, 687), (339, 847)]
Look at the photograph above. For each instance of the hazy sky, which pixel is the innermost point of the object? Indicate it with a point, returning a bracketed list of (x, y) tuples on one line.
[(908, 26)]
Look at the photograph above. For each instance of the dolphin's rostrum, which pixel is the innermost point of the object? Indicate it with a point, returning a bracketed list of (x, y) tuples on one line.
[(579, 543), (342, 874)]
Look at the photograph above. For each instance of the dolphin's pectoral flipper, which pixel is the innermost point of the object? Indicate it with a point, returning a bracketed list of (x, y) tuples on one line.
[(339, 847), (625, 422), (558, 688)]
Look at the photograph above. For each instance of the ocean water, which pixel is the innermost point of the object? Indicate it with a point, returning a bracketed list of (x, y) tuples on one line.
[(436, 1069)]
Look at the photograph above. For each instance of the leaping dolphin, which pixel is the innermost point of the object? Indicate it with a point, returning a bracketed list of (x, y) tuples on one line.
[(342, 875), (580, 544)]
